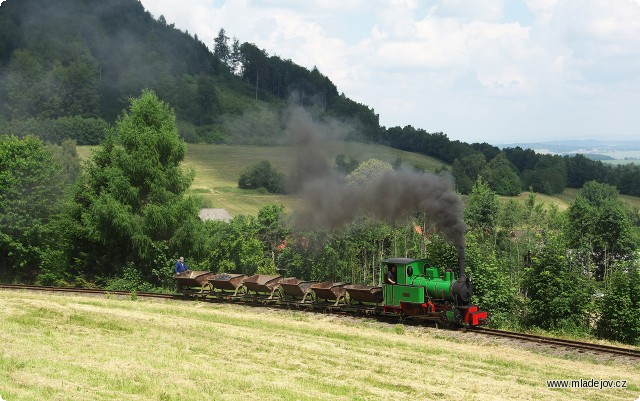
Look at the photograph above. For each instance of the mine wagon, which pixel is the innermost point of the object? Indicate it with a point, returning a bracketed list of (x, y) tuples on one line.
[(297, 290), (364, 294), (328, 290), (192, 281), (227, 282), (262, 284)]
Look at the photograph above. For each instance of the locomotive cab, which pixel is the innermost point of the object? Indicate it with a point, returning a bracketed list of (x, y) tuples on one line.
[(415, 282)]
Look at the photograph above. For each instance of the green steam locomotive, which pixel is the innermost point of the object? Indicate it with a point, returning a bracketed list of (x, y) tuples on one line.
[(414, 289)]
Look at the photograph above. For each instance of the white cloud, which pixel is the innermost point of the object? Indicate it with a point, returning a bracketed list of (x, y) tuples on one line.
[(486, 10), (465, 67), (452, 65)]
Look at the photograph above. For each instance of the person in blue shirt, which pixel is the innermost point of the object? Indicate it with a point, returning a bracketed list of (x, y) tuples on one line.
[(181, 267)]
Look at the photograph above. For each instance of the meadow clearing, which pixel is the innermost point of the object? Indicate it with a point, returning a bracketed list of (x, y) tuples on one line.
[(218, 168), (60, 347)]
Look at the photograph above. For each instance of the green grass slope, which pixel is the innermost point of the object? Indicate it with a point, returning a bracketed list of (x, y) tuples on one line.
[(569, 195), (218, 168), (58, 347)]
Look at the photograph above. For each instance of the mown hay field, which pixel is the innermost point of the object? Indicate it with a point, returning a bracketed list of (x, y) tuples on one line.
[(59, 347)]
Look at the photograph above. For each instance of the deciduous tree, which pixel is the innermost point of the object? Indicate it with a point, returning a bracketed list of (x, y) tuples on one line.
[(368, 170), (466, 171), (620, 312), (599, 226), (31, 196), (558, 291), (262, 175), (481, 212), (501, 176)]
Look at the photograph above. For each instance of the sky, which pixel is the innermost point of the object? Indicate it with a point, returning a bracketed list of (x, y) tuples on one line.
[(497, 71)]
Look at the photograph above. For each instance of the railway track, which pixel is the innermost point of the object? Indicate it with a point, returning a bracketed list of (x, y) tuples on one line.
[(531, 338), (559, 342)]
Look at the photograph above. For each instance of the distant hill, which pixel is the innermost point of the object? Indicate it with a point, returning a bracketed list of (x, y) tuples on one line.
[(68, 68), (84, 59), (573, 146)]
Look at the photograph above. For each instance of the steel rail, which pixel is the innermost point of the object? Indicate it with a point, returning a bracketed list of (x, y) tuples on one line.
[(578, 345)]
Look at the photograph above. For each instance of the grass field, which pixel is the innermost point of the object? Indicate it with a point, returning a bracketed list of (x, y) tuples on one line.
[(218, 168), (58, 347), (564, 199)]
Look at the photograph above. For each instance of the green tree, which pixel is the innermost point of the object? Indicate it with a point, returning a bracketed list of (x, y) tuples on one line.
[(272, 230), (501, 176), (581, 170), (558, 291), (466, 170), (481, 211), (85, 131), (207, 100), (77, 87), (597, 193), (130, 205), (620, 312), (493, 290), (29, 87), (67, 157), (255, 66), (31, 196), (221, 47), (236, 246), (257, 126), (548, 176), (511, 215), (599, 226), (262, 175), (344, 166), (367, 171), (235, 58), (629, 179), (511, 246)]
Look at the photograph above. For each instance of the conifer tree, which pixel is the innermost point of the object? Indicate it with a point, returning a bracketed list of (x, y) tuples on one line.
[(130, 205)]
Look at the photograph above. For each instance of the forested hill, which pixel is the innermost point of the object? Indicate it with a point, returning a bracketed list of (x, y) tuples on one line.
[(79, 58), (68, 67)]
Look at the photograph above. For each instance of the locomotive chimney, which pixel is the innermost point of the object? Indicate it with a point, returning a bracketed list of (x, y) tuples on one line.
[(462, 288), (461, 263)]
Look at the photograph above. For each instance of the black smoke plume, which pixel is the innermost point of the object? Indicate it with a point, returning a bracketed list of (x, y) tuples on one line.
[(328, 203)]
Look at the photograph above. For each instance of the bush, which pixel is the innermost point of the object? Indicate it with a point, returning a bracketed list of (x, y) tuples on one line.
[(262, 175), (129, 280)]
